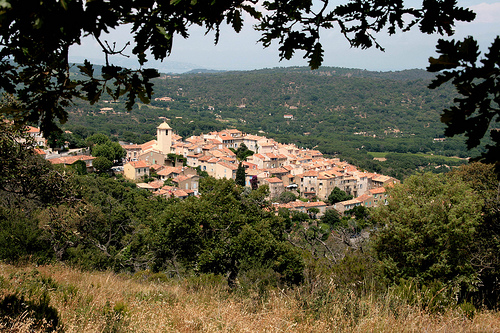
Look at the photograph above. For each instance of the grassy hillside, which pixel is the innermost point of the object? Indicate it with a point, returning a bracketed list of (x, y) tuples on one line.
[(106, 302)]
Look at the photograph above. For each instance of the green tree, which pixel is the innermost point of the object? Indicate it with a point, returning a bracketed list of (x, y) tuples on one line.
[(56, 140), (429, 230), (477, 110), (36, 39), (109, 228), (361, 215), (243, 152), (486, 248), (80, 167), (28, 183), (331, 217), (102, 164), (338, 195), (97, 139), (240, 175), (313, 211), (225, 231), (102, 146), (103, 150), (286, 197), (27, 179)]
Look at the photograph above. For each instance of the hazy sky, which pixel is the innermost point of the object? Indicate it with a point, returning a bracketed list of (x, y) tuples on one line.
[(242, 52)]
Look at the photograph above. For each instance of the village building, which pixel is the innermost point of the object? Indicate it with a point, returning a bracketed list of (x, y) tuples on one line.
[(70, 160), (283, 167), (275, 187), (136, 170)]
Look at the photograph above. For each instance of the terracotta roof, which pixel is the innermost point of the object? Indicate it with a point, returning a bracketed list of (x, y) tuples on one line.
[(209, 146), (180, 193), (228, 152), (349, 202), (204, 158), (273, 180), (148, 145), (32, 129), (156, 166), (170, 170), (364, 197), (156, 184), (250, 165), (233, 131), (255, 172), (70, 159), (131, 146), (217, 153), (145, 186), (278, 170), (314, 204), (138, 164), (228, 165), (377, 190), (310, 173), (181, 178), (259, 156), (381, 178), (297, 203)]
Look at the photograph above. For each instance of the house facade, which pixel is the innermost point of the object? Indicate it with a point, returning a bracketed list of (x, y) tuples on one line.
[(136, 170)]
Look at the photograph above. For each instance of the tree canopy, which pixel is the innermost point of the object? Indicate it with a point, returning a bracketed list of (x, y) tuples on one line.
[(337, 195), (36, 36), (430, 223), (477, 109)]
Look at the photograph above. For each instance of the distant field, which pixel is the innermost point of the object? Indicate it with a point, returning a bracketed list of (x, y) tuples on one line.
[(377, 154), (430, 157)]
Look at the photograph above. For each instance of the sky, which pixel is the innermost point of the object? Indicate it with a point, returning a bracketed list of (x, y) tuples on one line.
[(242, 52)]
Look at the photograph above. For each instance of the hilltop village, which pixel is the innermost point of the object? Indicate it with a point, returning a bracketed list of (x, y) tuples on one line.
[(283, 167)]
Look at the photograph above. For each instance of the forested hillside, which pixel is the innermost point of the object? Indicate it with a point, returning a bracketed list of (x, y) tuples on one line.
[(346, 112), (431, 252)]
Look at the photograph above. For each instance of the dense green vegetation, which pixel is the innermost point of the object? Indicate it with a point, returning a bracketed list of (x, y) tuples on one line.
[(344, 112), (438, 235)]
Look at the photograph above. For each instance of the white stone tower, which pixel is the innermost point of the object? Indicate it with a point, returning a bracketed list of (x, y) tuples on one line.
[(164, 138)]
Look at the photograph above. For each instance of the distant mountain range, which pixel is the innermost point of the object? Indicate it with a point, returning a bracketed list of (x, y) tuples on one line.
[(167, 67)]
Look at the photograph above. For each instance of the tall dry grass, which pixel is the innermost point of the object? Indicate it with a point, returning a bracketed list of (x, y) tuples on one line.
[(106, 302)]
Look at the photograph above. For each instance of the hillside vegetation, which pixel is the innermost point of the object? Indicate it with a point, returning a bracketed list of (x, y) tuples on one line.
[(428, 258), (107, 302), (345, 112)]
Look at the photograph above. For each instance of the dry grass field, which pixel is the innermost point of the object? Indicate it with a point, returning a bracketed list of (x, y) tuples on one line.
[(107, 302)]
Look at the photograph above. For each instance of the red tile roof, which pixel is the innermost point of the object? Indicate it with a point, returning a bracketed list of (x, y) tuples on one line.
[(139, 164), (274, 180), (377, 190)]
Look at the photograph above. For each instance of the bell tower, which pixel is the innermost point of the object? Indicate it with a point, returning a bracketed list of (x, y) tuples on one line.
[(164, 138)]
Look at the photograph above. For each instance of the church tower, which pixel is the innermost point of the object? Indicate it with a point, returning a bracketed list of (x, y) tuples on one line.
[(164, 138)]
